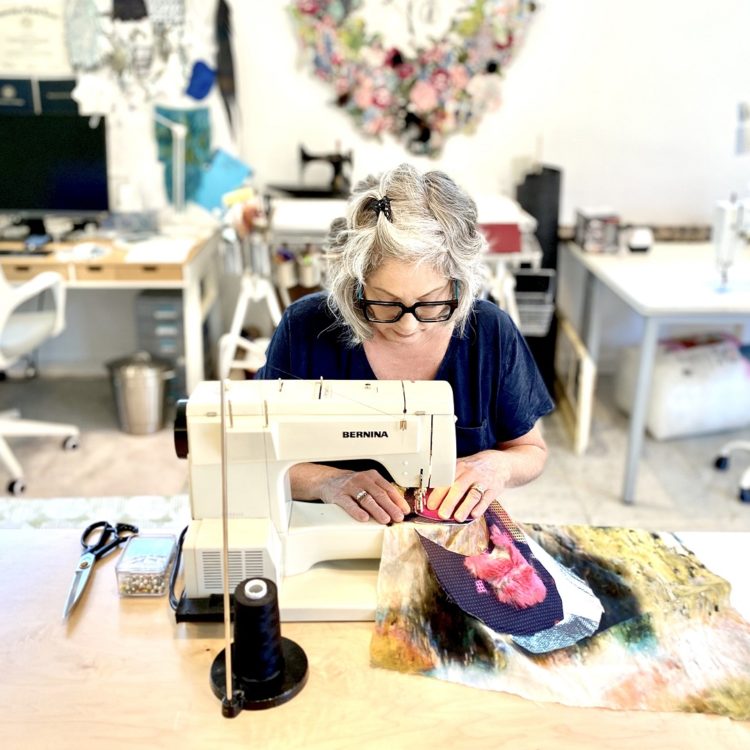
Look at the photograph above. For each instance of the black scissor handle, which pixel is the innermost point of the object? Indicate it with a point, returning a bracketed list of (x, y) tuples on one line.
[(119, 534), (126, 528)]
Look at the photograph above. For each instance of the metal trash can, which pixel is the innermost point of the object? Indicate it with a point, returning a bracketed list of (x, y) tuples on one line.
[(138, 389)]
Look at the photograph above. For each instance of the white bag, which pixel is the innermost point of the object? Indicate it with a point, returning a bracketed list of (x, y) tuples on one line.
[(694, 390)]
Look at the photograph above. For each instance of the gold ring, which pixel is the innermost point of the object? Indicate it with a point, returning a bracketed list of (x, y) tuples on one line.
[(360, 496), (478, 487)]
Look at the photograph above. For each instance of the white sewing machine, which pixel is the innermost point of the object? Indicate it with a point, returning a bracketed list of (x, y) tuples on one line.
[(307, 548)]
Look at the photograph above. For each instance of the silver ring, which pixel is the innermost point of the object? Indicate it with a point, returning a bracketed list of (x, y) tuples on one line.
[(479, 488), (360, 496)]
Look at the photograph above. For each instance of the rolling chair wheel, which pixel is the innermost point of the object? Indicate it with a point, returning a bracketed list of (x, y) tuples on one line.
[(722, 463), (744, 495), (71, 443), (16, 487)]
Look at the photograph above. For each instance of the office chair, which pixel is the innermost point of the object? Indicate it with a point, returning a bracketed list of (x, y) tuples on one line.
[(722, 463), (22, 330)]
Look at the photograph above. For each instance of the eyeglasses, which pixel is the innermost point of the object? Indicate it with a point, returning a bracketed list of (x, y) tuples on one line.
[(425, 312)]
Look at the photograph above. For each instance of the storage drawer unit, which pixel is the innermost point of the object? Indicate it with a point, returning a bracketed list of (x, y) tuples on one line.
[(160, 331)]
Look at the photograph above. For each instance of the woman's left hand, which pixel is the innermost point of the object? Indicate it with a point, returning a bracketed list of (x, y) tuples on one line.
[(479, 480)]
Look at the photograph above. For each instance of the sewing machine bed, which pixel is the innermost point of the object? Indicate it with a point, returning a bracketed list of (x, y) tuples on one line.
[(339, 590)]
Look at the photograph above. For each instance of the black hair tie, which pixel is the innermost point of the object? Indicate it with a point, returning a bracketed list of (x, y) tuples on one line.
[(384, 205)]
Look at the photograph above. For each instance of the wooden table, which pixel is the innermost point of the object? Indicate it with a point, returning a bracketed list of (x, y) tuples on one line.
[(671, 284), (122, 674), (195, 274)]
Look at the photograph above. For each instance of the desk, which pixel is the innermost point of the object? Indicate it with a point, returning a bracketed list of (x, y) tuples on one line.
[(195, 274), (122, 674), (671, 284)]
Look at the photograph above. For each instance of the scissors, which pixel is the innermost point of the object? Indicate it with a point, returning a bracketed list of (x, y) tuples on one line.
[(110, 537)]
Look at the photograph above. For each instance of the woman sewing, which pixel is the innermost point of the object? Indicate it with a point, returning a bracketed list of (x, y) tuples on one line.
[(405, 268)]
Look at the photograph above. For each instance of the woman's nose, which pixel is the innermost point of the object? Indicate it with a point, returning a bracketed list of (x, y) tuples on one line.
[(407, 323)]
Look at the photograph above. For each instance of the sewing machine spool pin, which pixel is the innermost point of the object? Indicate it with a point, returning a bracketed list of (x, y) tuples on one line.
[(232, 700), (269, 669)]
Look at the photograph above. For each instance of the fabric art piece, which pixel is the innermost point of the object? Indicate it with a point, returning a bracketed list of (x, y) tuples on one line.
[(667, 638), (419, 71), (511, 590), (197, 146), (83, 34), (138, 49)]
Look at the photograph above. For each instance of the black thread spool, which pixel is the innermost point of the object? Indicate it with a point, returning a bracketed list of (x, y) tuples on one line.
[(267, 670)]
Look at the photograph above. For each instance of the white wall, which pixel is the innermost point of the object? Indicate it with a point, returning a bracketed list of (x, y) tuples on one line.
[(635, 100)]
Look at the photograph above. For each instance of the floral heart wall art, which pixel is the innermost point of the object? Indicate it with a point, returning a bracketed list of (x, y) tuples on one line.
[(420, 70)]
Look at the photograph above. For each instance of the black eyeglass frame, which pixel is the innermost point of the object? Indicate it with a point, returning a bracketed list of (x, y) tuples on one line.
[(365, 304)]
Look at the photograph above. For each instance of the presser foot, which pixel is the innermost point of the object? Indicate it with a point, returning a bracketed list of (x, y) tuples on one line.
[(416, 498)]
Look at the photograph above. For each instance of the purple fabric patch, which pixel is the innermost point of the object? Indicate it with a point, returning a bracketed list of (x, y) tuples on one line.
[(477, 599)]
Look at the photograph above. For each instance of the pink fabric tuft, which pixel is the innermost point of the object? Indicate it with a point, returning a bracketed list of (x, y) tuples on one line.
[(488, 568), (513, 580)]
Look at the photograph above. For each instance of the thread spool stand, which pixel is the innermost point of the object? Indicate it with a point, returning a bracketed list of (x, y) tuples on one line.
[(267, 669), (261, 669)]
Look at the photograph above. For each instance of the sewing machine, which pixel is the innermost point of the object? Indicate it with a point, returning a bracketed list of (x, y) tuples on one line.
[(340, 183), (338, 186), (307, 548)]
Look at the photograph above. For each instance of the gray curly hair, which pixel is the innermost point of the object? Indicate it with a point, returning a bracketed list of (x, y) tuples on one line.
[(433, 221)]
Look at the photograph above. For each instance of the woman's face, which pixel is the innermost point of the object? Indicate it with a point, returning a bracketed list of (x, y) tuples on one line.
[(396, 281)]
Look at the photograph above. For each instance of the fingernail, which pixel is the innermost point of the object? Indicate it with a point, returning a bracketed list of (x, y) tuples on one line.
[(398, 517)]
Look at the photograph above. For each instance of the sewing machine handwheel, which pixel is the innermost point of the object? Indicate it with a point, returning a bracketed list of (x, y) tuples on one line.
[(180, 429)]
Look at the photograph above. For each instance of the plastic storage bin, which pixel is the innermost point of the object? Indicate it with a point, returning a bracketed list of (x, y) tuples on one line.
[(535, 299)]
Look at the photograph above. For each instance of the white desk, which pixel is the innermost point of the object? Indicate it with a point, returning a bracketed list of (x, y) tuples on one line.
[(194, 272), (673, 283)]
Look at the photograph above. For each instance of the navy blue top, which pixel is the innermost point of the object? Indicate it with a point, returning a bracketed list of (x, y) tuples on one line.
[(498, 393)]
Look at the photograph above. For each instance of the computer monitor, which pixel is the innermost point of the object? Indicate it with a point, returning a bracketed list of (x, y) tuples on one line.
[(53, 165)]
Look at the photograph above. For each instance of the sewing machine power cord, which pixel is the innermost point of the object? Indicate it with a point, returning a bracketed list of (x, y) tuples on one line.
[(173, 598)]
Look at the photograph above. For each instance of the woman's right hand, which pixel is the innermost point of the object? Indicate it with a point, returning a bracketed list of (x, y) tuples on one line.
[(364, 495)]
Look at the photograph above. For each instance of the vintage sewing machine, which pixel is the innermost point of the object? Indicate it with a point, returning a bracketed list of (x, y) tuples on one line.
[(324, 562), (339, 184)]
